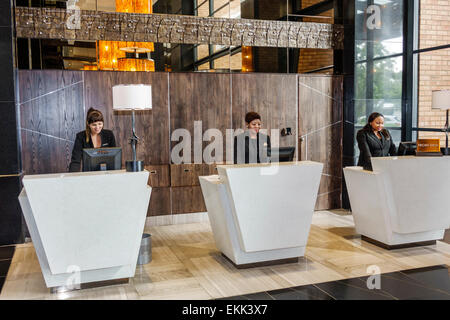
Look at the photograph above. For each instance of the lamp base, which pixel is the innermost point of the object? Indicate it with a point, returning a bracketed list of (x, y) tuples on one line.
[(134, 166)]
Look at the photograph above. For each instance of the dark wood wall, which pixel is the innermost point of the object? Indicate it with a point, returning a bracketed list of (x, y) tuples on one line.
[(53, 106)]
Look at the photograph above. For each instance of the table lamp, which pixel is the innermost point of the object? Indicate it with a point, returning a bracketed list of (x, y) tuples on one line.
[(132, 97), (441, 100)]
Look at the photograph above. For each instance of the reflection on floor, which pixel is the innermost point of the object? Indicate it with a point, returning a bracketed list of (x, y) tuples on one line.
[(187, 265), (429, 283)]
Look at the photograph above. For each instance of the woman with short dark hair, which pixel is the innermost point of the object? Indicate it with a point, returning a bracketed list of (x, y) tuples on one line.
[(374, 141), (94, 136), (252, 146)]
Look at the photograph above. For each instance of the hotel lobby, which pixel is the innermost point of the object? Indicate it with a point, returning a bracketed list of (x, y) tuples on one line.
[(159, 203)]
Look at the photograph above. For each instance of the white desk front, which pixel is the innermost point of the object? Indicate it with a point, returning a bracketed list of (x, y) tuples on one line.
[(87, 226), (262, 212), (403, 200)]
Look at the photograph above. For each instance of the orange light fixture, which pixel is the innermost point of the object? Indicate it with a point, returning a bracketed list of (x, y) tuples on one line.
[(133, 64), (111, 53), (91, 67), (247, 59)]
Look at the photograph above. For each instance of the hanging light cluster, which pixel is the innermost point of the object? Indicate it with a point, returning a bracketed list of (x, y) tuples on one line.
[(126, 55)]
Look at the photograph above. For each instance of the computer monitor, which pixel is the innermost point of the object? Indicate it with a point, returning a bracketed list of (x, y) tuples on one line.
[(407, 148), (282, 154), (100, 159)]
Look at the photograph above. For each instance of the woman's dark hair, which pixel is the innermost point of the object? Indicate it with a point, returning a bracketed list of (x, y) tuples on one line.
[(93, 115), (372, 117), (250, 116)]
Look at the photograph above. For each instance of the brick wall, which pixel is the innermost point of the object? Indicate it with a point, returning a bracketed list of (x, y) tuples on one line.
[(434, 66)]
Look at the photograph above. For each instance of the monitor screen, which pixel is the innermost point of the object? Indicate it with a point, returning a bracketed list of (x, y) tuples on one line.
[(282, 154), (407, 148), (99, 159)]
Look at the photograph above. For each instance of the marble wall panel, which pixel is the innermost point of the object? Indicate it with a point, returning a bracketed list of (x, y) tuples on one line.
[(320, 133)]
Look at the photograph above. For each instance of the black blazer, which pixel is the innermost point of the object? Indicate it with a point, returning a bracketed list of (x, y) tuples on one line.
[(263, 149), (108, 141), (370, 146)]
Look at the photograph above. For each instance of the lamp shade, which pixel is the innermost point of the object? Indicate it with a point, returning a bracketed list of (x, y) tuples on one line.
[(441, 99), (129, 97)]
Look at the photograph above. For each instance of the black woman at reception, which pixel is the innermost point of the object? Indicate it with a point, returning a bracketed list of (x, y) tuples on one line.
[(93, 137), (252, 146), (374, 141)]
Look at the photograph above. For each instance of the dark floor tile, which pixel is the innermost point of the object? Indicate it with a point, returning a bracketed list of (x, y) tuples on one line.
[(362, 284), (6, 252), (258, 296), (307, 292), (403, 287), (433, 277), (2, 281), (4, 267), (344, 290)]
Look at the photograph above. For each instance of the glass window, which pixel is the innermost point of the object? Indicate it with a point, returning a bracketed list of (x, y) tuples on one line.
[(378, 77)]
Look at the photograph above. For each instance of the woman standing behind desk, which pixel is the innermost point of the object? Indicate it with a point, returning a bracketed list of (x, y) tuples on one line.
[(252, 146), (93, 137), (374, 141)]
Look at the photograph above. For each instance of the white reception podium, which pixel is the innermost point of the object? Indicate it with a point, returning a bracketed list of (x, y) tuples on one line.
[(261, 213), (402, 202), (86, 227)]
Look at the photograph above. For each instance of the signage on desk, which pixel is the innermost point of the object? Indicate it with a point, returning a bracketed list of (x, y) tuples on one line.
[(428, 147)]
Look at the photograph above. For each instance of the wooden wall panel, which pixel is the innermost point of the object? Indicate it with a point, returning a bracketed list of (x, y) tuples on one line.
[(200, 97), (320, 129), (187, 200), (152, 126), (36, 83), (51, 113), (159, 175), (159, 202), (273, 96), (187, 174), (53, 106)]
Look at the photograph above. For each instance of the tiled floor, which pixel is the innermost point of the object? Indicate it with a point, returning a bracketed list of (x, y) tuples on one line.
[(6, 254), (187, 265), (430, 283)]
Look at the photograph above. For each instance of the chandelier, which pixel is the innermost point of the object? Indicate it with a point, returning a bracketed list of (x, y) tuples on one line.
[(126, 55)]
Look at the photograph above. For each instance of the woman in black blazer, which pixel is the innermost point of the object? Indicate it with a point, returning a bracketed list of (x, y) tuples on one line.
[(93, 137), (374, 141), (252, 146)]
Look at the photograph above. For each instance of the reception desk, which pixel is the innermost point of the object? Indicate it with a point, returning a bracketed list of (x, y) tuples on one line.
[(261, 213), (402, 202), (86, 227)]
